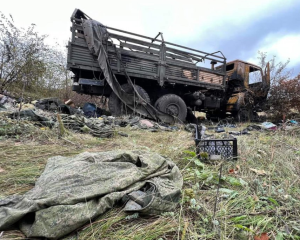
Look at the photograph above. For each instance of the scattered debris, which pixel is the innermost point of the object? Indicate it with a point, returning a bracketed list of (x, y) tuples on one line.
[(237, 133), (70, 103), (6, 103), (259, 172), (91, 120), (91, 110), (30, 115), (219, 129), (94, 126), (6, 99), (262, 115), (190, 127), (25, 106), (2, 108), (269, 126), (227, 125), (200, 115), (49, 104), (263, 236), (254, 127), (293, 122), (146, 123), (234, 170)]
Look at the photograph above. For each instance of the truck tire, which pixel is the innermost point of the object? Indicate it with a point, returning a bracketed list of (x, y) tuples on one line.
[(117, 107), (173, 105)]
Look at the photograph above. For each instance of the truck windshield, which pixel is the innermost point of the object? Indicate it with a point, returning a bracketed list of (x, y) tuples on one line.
[(254, 75)]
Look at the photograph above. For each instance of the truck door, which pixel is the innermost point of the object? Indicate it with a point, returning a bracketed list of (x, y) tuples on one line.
[(243, 73), (267, 77)]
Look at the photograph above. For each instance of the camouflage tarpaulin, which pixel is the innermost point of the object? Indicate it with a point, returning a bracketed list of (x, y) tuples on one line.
[(73, 190), (95, 33)]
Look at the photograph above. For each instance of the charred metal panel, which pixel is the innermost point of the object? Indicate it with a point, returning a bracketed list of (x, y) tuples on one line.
[(212, 102), (232, 103), (210, 78)]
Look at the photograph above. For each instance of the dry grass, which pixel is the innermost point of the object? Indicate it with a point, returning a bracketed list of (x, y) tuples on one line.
[(249, 202)]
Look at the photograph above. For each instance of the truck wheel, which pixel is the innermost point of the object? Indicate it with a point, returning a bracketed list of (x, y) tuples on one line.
[(173, 105), (117, 107)]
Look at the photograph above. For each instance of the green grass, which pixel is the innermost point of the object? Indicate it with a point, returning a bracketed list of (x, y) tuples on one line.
[(248, 204)]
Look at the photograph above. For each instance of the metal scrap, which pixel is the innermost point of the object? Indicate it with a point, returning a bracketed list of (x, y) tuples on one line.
[(93, 126)]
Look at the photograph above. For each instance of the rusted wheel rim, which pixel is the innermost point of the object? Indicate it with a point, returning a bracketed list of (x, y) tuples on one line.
[(173, 109)]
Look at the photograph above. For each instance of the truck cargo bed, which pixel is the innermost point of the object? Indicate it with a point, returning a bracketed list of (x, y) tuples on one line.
[(144, 59)]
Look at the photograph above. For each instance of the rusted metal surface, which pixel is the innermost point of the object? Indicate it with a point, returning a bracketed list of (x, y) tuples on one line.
[(245, 94), (230, 107), (210, 78)]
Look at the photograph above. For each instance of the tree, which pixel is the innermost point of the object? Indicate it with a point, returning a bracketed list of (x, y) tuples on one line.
[(285, 95), (22, 53), (28, 65), (284, 90), (278, 70), (57, 78)]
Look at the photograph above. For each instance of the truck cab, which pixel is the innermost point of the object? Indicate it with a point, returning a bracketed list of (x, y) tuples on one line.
[(247, 86)]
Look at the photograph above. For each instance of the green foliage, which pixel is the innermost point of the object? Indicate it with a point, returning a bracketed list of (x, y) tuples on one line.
[(239, 226), (188, 195), (204, 155), (283, 93), (28, 66), (192, 158), (190, 154)]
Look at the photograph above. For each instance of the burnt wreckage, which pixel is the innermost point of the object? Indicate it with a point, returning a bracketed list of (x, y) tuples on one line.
[(158, 79)]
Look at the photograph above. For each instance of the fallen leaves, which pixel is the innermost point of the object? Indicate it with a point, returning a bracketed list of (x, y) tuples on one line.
[(234, 170), (263, 236), (1, 170), (255, 198), (259, 172)]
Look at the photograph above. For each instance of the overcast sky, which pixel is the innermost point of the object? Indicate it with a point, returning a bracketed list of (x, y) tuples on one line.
[(238, 28)]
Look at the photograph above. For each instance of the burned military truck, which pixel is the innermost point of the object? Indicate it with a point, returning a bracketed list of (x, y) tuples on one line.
[(155, 78)]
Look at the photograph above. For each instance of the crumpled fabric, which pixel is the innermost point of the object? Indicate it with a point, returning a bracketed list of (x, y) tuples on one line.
[(74, 190), (30, 115)]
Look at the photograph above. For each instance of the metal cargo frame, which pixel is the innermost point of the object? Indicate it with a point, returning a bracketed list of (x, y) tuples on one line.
[(143, 58)]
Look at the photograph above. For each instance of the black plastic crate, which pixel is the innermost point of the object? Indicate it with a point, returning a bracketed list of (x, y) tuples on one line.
[(225, 148)]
